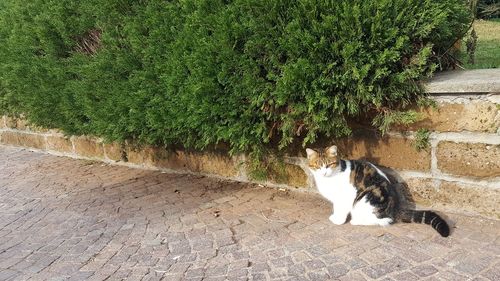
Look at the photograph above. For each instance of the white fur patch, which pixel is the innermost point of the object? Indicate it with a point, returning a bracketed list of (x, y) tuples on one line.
[(363, 214), (336, 187), (380, 172)]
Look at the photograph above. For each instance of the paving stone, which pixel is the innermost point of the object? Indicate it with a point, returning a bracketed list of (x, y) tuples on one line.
[(472, 266), (5, 274), (300, 256), (406, 276), (424, 270), (259, 277), (298, 278), (194, 272), (337, 270), (237, 273), (314, 264), (356, 263), (493, 273), (216, 271), (239, 264), (62, 218), (282, 262), (379, 270), (296, 270), (449, 275), (278, 273), (260, 267), (353, 276), (318, 276)]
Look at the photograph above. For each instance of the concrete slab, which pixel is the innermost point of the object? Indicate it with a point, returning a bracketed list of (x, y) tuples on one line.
[(465, 81)]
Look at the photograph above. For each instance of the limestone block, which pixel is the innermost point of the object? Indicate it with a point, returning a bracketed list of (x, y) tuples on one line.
[(216, 163), (59, 143), (23, 139), (455, 195), (289, 174), (390, 151), (88, 147), (469, 159), (113, 151), (477, 116)]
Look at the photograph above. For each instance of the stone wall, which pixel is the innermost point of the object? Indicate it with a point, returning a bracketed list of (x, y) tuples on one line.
[(460, 171)]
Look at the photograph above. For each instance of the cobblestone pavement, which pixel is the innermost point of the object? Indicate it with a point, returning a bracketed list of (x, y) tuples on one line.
[(62, 218)]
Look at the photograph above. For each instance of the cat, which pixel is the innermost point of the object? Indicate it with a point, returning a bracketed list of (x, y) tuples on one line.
[(360, 189)]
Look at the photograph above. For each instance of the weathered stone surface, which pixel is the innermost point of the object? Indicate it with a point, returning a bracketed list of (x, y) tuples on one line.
[(422, 190), (469, 159), (12, 123), (113, 151), (465, 81), (113, 222), (455, 195), (390, 151), (285, 173), (59, 143), (23, 139), (474, 198), (139, 156), (199, 162), (20, 124), (477, 116), (88, 147)]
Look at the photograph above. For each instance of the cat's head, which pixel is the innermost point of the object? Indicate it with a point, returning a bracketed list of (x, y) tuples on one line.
[(323, 162)]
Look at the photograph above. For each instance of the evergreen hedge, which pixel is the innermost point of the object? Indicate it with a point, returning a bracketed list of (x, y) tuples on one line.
[(201, 72)]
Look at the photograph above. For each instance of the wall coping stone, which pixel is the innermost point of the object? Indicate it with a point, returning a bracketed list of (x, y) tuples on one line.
[(464, 81)]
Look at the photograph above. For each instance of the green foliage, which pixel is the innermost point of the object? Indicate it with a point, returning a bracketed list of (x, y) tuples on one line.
[(421, 141), (486, 9), (391, 118), (250, 73), (485, 46), (267, 169)]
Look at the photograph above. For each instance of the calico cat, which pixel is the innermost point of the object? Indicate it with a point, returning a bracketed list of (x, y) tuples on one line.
[(359, 188)]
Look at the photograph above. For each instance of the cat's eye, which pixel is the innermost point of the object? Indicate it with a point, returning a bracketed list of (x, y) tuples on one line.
[(331, 164)]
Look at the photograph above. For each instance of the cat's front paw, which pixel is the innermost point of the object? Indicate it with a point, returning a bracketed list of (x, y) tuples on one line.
[(337, 220)]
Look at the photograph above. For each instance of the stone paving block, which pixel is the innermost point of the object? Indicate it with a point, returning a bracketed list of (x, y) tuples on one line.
[(314, 264), (406, 276), (356, 263), (472, 266), (318, 276), (449, 275), (6, 274), (337, 270), (66, 218), (493, 273), (424, 270), (296, 270), (379, 270)]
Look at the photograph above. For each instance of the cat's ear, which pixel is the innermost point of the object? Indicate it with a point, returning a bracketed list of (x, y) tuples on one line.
[(311, 153), (332, 150)]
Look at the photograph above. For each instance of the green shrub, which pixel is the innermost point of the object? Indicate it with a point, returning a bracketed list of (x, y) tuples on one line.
[(486, 9), (195, 73)]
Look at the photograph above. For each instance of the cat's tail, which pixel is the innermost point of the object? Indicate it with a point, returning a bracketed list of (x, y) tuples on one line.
[(427, 217)]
